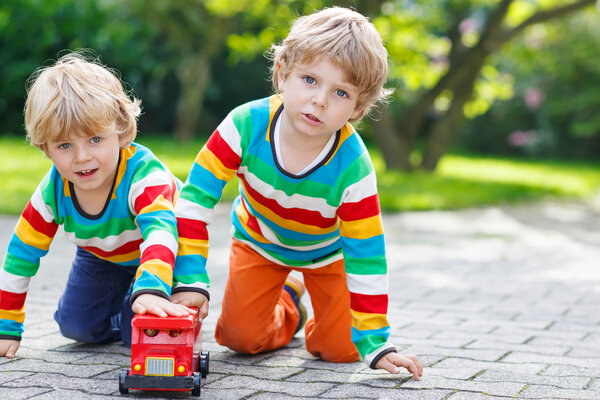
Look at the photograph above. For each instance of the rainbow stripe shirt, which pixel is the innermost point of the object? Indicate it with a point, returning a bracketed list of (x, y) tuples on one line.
[(136, 228), (328, 213)]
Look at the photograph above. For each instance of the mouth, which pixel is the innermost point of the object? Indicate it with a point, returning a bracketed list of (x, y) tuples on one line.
[(313, 118), (86, 172)]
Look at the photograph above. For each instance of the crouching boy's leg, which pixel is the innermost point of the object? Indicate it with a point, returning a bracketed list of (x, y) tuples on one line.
[(328, 333), (91, 307), (257, 315)]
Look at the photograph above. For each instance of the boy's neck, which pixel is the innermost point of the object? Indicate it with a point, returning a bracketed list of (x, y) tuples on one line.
[(92, 203), (298, 152)]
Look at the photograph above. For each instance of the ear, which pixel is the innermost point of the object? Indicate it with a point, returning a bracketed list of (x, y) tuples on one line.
[(123, 143), (280, 76), (357, 112)]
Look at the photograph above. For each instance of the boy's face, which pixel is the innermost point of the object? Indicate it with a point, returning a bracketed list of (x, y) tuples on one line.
[(317, 100), (88, 162)]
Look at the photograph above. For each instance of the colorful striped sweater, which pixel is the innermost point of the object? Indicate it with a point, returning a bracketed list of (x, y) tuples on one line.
[(137, 227), (310, 220)]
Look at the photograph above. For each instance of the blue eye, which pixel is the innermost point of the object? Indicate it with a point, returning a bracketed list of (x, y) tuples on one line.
[(95, 139), (309, 79), (341, 93), (64, 146)]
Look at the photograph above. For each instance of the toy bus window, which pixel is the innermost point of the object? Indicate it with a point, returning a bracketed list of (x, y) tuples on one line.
[(174, 332), (151, 332)]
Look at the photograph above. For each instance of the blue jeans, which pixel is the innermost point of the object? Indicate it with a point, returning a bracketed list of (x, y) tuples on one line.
[(95, 305)]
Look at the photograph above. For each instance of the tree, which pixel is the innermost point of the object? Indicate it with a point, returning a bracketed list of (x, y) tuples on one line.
[(464, 63)]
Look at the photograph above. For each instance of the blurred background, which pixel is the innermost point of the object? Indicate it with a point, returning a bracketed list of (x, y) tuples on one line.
[(494, 99)]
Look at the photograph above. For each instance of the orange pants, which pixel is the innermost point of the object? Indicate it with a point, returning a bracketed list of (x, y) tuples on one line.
[(258, 315)]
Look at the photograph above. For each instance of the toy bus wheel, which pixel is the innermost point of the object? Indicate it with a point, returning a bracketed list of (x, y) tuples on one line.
[(122, 375), (196, 388), (204, 359)]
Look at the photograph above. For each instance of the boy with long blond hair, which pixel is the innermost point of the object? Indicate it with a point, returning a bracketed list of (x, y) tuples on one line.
[(113, 197)]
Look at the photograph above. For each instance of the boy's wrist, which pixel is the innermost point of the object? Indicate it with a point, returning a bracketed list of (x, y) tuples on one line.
[(140, 292), (389, 348), (10, 337), (181, 289)]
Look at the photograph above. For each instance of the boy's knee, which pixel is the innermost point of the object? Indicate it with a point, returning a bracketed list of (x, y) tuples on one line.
[(244, 344), (78, 330)]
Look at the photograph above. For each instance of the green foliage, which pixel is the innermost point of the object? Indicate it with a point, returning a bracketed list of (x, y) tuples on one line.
[(23, 167), (462, 180), (147, 41), (554, 109)]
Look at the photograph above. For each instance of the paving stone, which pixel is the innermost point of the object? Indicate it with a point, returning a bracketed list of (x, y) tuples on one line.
[(548, 392), (569, 370), (61, 382), (571, 382), (18, 394), (519, 357), (351, 391), (473, 354), (290, 388), (484, 298), (41, 366), (494, 388), (375, 378), (556, 350), (475, 396), (11, 376), (523, 368), (256, 371)]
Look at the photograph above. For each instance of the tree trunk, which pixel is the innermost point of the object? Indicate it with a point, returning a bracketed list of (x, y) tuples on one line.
[(192, 73), (394, 148), (444, 130)]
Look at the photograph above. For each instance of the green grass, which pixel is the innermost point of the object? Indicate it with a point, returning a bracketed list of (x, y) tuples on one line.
[(461, 180)]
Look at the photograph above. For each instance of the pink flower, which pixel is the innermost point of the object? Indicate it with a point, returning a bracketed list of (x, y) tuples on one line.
[(468, 25), (522, 138), (533, 98)]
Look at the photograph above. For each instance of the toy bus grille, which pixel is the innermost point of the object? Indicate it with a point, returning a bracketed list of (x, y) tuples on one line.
[(159, 366)]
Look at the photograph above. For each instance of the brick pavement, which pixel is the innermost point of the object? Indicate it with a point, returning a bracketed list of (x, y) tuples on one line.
[(498, 302)]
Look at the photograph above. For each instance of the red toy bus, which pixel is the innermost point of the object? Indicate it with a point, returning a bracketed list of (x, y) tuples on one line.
[(165, 355)]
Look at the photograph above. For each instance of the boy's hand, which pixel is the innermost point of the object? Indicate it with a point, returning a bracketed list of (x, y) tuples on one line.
[(192, 299), (152, 304), (392, 361), (8, 347)]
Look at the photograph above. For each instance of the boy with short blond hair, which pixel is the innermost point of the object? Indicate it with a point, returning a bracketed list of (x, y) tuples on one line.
[(308, 202), (113, 197)]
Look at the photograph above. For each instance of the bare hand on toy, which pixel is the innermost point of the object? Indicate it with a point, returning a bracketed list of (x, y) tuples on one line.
[(192, 299), (151, 304)]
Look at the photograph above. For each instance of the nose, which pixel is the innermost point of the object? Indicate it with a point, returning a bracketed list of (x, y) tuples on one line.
[(82, 153), (320, 100)]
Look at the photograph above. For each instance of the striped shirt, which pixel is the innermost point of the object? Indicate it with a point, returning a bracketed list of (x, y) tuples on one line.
[(136, 228), (325, 214)]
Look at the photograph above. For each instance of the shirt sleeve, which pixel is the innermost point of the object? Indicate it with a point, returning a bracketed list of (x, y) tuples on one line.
[(151, 197), (214, 166), (363, 245), (30, 241)]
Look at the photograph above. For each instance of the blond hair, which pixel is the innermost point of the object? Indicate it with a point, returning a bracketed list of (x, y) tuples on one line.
[(78, 92), (347, 39)]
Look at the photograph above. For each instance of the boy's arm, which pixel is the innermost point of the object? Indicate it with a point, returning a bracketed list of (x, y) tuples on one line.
[(30, 241), (214, 166), (363, 245), (151, 199)]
